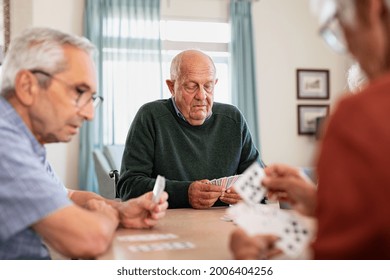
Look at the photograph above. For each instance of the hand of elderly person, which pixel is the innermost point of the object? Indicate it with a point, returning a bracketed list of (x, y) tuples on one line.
[(142, 212), (203, 195), (245, 247), (101, 206), (285, 183), (230, 196)]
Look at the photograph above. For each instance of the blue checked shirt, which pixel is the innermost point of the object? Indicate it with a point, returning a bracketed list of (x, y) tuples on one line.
[(29, 189)]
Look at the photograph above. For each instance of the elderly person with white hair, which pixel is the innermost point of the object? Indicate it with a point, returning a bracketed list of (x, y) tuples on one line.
[(354, 156), (47, 92)]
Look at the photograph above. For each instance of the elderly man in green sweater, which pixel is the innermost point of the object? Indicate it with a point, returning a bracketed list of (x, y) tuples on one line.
[(188, 138)]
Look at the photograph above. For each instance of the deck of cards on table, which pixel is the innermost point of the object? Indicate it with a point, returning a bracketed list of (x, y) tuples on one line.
[(255, 218)]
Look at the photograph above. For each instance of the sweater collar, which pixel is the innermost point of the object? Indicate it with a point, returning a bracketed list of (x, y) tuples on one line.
[(180, 115)]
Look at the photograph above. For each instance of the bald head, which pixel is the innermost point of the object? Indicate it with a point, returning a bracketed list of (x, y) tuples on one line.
[(193, 77), (191, 59)]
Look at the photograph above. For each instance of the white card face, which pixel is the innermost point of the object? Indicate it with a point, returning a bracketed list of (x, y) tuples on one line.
[(158, 188), (248, 185), (146, 237), (163, 246), (294, 232), (254, 218)]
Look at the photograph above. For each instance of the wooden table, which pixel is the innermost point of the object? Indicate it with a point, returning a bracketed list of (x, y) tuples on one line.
[(204, 228)]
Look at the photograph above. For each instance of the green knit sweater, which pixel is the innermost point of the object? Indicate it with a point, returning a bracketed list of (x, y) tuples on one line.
[(161, 143)]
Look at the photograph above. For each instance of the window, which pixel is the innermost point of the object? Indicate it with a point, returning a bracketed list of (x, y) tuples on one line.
[(129, 95)]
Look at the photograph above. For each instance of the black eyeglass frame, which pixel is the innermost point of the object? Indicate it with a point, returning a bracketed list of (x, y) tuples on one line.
[(96, 99)]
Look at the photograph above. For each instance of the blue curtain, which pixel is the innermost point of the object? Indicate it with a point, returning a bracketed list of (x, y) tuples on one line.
[(127, 36), (243, 74)]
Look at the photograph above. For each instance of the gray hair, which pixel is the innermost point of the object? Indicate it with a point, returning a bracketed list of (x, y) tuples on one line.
[(39, 48), (175, 70)]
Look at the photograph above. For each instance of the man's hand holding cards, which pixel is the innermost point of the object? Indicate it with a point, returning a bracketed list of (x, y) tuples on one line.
[(228, 195), (225, 182)]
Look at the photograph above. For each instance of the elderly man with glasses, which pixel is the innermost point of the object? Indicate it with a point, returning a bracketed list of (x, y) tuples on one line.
[(47, 92), (351, 204)]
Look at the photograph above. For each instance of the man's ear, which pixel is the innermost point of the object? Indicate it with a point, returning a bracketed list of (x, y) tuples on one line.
[(26, 87), (171, 86)]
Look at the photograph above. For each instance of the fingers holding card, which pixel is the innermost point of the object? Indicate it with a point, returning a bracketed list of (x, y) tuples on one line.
[(294, 231)]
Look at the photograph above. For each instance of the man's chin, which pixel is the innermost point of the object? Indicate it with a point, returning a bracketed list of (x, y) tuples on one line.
[(196, 122), (67, 140), (59, 140)]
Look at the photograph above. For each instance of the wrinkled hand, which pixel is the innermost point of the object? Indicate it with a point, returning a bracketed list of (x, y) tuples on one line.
[(142, 212), (202, 195), (100, 206), (284, 183), (245, 247), (230, 196)]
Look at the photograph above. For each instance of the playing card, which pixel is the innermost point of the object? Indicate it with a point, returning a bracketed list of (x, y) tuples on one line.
[(218, 182), (162, 246), (249, 187), (254, 218), (225, 182), (231, 180), (146, 237), (293, 230), (158, 188), (294, 233)]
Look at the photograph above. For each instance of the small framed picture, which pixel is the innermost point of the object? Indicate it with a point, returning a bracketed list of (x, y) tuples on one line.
[(312, 84), (310, 117)]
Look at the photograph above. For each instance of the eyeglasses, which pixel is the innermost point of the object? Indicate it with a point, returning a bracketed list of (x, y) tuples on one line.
[(82, 99), (333, 35)]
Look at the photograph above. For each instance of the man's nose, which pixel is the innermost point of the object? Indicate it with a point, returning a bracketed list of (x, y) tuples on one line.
[(87, 111), (201, 94)]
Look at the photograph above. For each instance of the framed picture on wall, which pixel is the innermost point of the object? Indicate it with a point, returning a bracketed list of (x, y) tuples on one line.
[(310, 117), (312, 84)]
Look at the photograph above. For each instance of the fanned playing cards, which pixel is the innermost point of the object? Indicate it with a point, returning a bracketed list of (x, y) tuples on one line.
[(255, 218)]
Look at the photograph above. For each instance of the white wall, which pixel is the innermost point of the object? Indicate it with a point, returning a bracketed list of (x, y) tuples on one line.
[(204, 9), (286, 39)]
